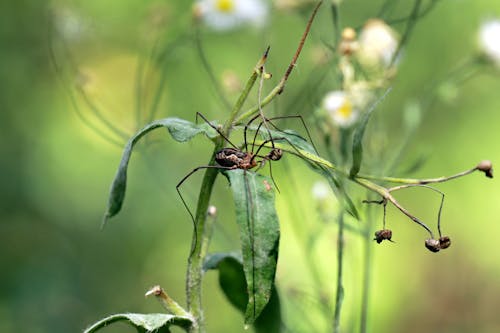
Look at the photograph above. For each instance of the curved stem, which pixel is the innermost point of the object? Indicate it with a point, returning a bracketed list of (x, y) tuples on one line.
[(281, 85), (203, 230), (416, 181)]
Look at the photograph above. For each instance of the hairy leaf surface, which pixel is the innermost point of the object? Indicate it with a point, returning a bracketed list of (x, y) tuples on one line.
[(259, 233), (154, 322)]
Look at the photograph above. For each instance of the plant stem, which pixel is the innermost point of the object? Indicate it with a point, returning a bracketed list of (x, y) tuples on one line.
[(340, 263), (281, 85), (416, 181), (200, 246), (203, 230), (367, 270)]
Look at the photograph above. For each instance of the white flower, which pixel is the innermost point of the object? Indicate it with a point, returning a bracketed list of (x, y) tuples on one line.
[(228, 14), (489, 40), (320, 190), (378, 43), (340, 108)]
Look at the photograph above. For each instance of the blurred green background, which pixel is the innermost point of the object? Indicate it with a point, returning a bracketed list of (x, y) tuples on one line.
[(60, 272)]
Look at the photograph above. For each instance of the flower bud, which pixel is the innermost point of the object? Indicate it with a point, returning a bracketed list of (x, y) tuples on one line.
[(381, 235), (486, 167), (212, 211), (348, 44), (432, 244), (444, 242)]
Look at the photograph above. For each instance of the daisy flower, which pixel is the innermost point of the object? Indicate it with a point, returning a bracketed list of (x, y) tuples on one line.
[(222, 15), (489, 40), (340, 108)]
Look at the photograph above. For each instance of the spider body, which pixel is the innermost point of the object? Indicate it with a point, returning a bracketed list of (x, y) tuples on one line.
[(235, 158)]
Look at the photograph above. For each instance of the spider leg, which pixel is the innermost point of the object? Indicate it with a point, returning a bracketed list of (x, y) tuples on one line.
[(198, 114), (177, 187)]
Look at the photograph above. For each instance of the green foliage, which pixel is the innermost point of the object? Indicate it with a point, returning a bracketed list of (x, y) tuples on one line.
[(259, 234), (180, 130), (233, 283), (144, 323), (359, 132)]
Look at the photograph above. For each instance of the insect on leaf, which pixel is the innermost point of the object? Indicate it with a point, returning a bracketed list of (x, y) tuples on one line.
[(153, 322), (180, 130), (259, 233)]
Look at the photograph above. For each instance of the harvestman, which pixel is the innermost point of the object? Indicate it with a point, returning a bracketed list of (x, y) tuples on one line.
[(232, 158)]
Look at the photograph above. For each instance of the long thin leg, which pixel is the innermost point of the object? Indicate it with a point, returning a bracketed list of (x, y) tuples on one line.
[(184, 201), (269, 120), (198, 114)]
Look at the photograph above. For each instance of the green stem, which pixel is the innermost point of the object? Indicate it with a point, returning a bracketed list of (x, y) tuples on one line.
[(281, 85), (367, 270), (203, 230), (200, 246), (415, 181), (340, 264)]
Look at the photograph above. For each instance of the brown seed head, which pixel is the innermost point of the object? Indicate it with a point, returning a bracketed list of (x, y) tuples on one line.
[(487, 167), (444, 242), (432, 244), (381, 235)]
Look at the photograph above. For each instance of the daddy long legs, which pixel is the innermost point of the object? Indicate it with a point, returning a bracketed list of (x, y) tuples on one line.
[(247, 157)]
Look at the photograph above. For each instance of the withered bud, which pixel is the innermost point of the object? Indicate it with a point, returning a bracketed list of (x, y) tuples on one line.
[(433, 245), (212, 211), (444, 242), (381, 235), (487, 167), (156, 290)]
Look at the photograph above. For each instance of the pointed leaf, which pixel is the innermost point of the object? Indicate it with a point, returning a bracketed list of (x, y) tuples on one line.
[(233, 284), (154, 322), (180, 130), (359, 132), (259, 233)]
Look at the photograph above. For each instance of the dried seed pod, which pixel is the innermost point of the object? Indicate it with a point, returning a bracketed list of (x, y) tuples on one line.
[(486, 167), (381, 235), (444, 242), (432, 244)]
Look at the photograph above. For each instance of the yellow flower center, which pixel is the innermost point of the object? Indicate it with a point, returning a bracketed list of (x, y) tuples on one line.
[(345, 110), (225, 6)]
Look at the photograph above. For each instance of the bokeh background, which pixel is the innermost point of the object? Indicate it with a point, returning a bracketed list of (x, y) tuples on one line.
[(60, 272)]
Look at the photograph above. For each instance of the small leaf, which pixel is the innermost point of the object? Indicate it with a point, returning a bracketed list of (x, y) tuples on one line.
[(359, 132), (231, 277), (180, 130), (154, 322), (259, 233), (233, 284)]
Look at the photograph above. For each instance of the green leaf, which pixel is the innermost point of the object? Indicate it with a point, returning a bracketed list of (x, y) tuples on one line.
[(359, 132), (180, 130), (259, 233), (231, 277), (154, 322), (233, 284)]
